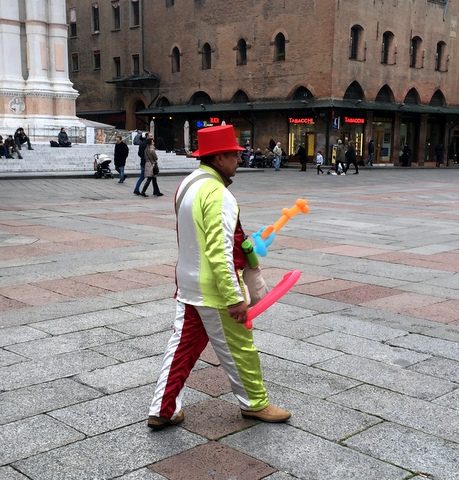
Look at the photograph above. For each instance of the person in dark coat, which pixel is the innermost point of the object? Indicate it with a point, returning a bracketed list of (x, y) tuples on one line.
[(63, 139), (405, 157), (351, 158), (121, 153), (302, 157), (438, 154)]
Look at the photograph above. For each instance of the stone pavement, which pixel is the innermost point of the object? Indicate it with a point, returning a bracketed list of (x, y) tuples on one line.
[(364, 350)]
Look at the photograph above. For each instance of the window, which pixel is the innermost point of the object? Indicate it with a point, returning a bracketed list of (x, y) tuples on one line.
[(441, 61), (241, 52), (75, 62), (279, 48), (169, 3), (73, 23), (206, 57), (175, 60), (135, 64), (356, 43), (416, 60), (135, 13), (96, 54), (116, 15), (117, 67), (388, 51), (95, 18)]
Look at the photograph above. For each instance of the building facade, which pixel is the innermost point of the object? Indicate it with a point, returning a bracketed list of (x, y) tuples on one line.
[(35, 90), (303, 73)]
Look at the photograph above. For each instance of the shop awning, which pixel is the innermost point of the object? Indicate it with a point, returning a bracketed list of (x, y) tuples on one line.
[(97, 113), (298, 105), (136, 81)]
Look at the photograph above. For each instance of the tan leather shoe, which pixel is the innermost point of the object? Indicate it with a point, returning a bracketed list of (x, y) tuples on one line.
[(158, 423), (271, 414)]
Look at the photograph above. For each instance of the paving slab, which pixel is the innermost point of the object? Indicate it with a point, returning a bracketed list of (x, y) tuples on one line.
[(110, 412), (310, 380), (68, 342), (50, 368), (96, 457), (401, 409), (363, 347), (306, 456), (416, 451), (85, 321), (388, 376), (433, 346), (440, 368), (34, 435), (292, 349), (42, 398)]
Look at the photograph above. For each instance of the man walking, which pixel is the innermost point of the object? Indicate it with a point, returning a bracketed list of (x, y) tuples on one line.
[(140, 153), (211, 300), (120, 155)]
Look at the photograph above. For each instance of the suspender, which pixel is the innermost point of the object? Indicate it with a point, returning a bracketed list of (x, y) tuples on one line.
[(179, 199)]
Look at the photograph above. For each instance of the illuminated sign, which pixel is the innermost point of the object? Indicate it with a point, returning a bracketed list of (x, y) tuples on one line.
[(207, 123), (356, 120), (302, 120)]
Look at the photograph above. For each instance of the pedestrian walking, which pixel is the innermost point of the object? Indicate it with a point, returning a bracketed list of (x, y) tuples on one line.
[(140, 153), (319, 162), (151, 169), (211, 300), (120, 155), (351, 158), (371, 152), (277, 150)]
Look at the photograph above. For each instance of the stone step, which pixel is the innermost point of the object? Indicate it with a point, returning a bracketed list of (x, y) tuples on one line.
[(80, 157)]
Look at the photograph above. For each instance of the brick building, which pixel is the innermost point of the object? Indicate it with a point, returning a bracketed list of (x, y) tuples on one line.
[(305, 72)]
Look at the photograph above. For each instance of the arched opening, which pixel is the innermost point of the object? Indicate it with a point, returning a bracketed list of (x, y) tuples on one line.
[(385, 94), (354, 92), (279, 48), (200, 98), (356, 43), (240, 97), (441, 62), (175, 60), (438, 99), (416, 58), (388, 52), (302, 93), (412, 97), (206, 54), (241, 52)]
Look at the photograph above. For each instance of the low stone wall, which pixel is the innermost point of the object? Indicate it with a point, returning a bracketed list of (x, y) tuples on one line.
[(80, 157)]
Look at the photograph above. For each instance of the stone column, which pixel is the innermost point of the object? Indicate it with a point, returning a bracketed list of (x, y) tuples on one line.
[(422, 140), (12, 103), (36, 25), (396, 140), (58, 67)]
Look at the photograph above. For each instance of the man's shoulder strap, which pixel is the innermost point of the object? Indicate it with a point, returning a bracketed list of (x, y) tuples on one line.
[(179, 199)]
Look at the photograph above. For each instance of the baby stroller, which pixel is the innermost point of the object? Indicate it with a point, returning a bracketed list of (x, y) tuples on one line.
[(102, 166)]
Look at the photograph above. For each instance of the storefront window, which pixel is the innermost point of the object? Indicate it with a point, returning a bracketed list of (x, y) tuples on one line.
[(301, 132), (352, 130), (382, 133)]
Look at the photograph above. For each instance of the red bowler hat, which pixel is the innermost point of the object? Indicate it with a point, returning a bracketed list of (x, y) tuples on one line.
[(213, 140)]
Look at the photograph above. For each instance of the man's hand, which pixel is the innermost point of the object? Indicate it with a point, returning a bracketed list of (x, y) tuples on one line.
[(238, 312)]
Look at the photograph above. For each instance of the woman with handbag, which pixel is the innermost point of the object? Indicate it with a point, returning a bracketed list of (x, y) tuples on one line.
[(151, 169)]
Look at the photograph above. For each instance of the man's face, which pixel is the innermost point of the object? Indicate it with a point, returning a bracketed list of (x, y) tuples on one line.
[(228, 162)]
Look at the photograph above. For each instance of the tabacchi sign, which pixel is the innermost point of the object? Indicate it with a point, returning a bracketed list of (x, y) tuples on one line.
[(357, 120), (302, 120)]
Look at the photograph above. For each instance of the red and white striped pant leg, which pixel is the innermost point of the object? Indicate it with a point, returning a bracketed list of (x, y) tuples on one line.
[(183, 350)]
